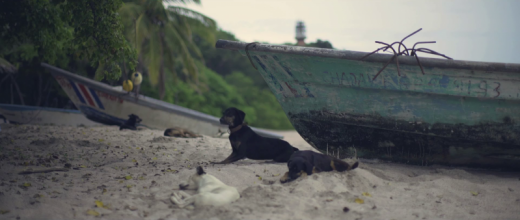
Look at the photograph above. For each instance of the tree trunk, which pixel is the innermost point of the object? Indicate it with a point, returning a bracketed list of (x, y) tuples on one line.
[(5, 78), (17, 89), (140, 66), (161, 67), (40, 92), (125, 74), (11, 87), (175, 101), (46, 89), (47, 97)]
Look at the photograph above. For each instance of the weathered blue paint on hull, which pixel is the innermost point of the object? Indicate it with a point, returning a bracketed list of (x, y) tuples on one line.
[(459, 112)]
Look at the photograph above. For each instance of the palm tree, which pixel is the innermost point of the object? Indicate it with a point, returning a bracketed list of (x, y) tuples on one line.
[(162, 35)]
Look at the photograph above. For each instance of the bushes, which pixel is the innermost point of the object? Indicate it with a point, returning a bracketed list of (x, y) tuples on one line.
[(267, 110)]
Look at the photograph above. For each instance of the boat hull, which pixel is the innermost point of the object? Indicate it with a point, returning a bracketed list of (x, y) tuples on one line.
[(20, 114), (458, 113)]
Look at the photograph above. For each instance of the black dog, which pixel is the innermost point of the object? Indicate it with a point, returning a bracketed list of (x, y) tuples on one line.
[(130, 123), (247, 144), (307, 162)]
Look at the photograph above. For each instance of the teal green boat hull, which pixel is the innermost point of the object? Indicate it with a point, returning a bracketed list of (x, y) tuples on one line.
[(457, 113)]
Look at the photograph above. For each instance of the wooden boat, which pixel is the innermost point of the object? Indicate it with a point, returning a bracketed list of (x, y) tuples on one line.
[(456, 112), (112, 106), (23, 114)]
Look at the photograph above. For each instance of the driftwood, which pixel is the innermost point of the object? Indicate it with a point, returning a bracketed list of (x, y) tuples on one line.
[(47, 170)]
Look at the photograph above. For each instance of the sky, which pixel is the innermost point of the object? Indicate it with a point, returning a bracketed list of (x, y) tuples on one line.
[(475, 30)]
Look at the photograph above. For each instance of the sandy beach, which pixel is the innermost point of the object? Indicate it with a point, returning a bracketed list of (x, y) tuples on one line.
[(132, 174)]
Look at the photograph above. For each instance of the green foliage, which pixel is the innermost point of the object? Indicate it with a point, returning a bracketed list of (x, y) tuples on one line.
[(162, 37), (55, 31), (261, 107), (320, 44), (217, 96), (224, 62), (260, 103), (32, 29), (175, 48), (98, 35), (235, 90)]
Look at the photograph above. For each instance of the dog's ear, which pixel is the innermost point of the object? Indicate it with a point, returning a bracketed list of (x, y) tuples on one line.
[(225, 110), (200, 171), (240, 116)]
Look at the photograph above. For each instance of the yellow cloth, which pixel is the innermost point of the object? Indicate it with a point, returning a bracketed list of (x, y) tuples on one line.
[(128, 85)]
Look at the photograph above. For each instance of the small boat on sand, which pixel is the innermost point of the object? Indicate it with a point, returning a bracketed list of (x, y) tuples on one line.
[(109, 105)]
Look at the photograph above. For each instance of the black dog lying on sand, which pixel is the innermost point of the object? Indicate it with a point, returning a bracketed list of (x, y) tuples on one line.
[(248, 144), (303, 163), (130, 123)]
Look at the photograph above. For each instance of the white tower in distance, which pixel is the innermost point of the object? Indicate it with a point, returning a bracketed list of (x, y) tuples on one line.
[(300, 33)]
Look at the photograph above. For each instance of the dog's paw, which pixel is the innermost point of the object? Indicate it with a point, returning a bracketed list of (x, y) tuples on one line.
[(183, 186), (285, 178), (268, 182), (175, 200)]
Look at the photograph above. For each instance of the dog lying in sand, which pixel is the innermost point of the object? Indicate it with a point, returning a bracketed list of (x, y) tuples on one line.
[(245, 143), (210, 192), (131, 123), (303, 163), (180, 132)]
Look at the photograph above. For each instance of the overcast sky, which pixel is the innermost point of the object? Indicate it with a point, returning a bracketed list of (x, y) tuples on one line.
[(474, 30)]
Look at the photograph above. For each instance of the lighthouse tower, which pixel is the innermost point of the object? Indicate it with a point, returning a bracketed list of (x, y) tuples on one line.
[(300, 33)]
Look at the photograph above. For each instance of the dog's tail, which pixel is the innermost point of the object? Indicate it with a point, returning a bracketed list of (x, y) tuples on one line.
[(341, 166)]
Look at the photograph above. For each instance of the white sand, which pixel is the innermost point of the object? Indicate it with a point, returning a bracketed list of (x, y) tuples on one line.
[(106, 156)]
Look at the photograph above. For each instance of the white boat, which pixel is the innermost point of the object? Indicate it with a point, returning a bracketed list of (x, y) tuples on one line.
[(112, 106)]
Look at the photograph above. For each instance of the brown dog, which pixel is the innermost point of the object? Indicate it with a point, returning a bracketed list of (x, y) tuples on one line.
[(303, 163), (180, 132)]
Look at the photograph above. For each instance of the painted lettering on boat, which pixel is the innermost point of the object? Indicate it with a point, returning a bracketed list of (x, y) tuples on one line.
[(287, 70), (63, 82), (496, 89), (479, 88), (264, 67), (109, 97), (289, 82), (293, 91), (304, 91)]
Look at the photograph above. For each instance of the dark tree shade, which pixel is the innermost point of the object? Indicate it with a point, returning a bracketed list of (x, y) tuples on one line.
[(54, 31)]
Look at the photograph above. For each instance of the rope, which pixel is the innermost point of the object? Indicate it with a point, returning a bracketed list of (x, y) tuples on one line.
[(247, 52), (34, 117), (406, 52)]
